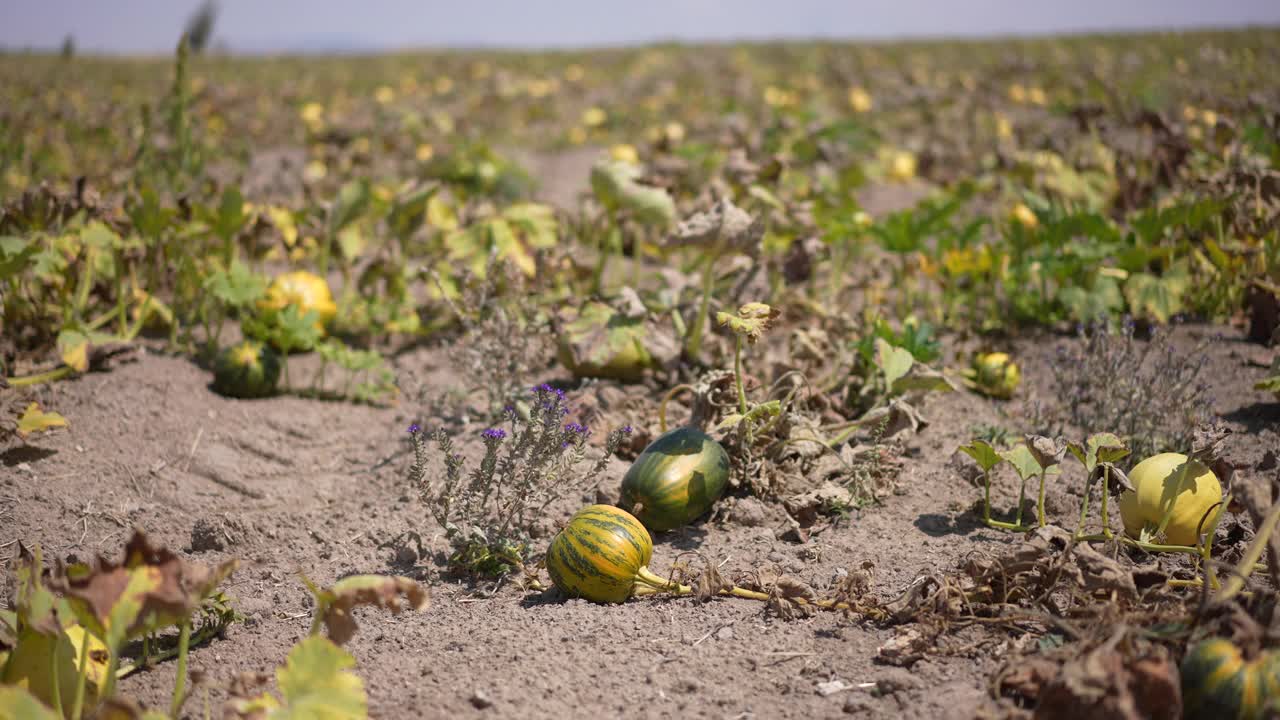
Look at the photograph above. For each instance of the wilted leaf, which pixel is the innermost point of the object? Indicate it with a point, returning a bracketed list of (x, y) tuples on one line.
[(153, 588), (921, 378), (892, 419), (334, 604), (599, 341), (1106, 683), (751, 321), (36, 420), (722, 229), (1047, 451)]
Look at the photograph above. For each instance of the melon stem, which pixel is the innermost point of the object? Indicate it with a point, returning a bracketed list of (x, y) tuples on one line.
[(648, 583)]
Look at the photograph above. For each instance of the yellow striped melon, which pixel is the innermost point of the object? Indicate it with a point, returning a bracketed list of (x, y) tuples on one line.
[(600, 554), (1219, 684)]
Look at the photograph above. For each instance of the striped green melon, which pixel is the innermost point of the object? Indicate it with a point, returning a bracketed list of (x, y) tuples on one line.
[(600, 554), (676, 479), (1219, 684), (247, 370)]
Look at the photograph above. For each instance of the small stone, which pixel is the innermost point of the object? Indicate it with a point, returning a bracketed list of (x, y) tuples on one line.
[(724, 633), (480, 700), (831, 687)]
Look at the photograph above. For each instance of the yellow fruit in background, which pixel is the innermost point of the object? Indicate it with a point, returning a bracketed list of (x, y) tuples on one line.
[(902, 166), (995, 374), (1164, 481), (860, 100), (1024, 216), (594, 117), (306, 291), (625, 153)]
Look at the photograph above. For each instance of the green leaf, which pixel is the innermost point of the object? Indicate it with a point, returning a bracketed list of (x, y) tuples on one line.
[(351, 202), (409, 210), (1158, 298), (1022, 460), (1103, 300), (73, 346), (894, 362), (16, 702), (98, 236), (15, 255), (352, 242), (982, 453), (315, 683), (533, 222), (288, 329), (36, 420), (1107, 447), (229, 219), (238, 287)]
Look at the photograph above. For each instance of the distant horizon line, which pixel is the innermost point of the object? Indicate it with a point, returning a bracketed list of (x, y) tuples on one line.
[(220, 47)]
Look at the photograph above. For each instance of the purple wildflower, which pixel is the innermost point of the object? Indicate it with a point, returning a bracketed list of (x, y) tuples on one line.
[(626, 430), (574, 427), (494, 433), (414, 429)]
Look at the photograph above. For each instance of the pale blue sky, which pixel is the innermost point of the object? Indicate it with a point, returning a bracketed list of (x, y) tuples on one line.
[(148, 26)]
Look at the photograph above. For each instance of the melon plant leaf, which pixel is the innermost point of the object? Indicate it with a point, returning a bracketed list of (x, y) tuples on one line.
[(1022, 460), (1107, 447), (74, 344), (35, 420), (237, 287), (15, 255), (1158, 298), (922, 378), (316, 683), (335, 603), (894, 362), (351, 202), (751, 320), (982, 453), (1104, 299), (16, 702)]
